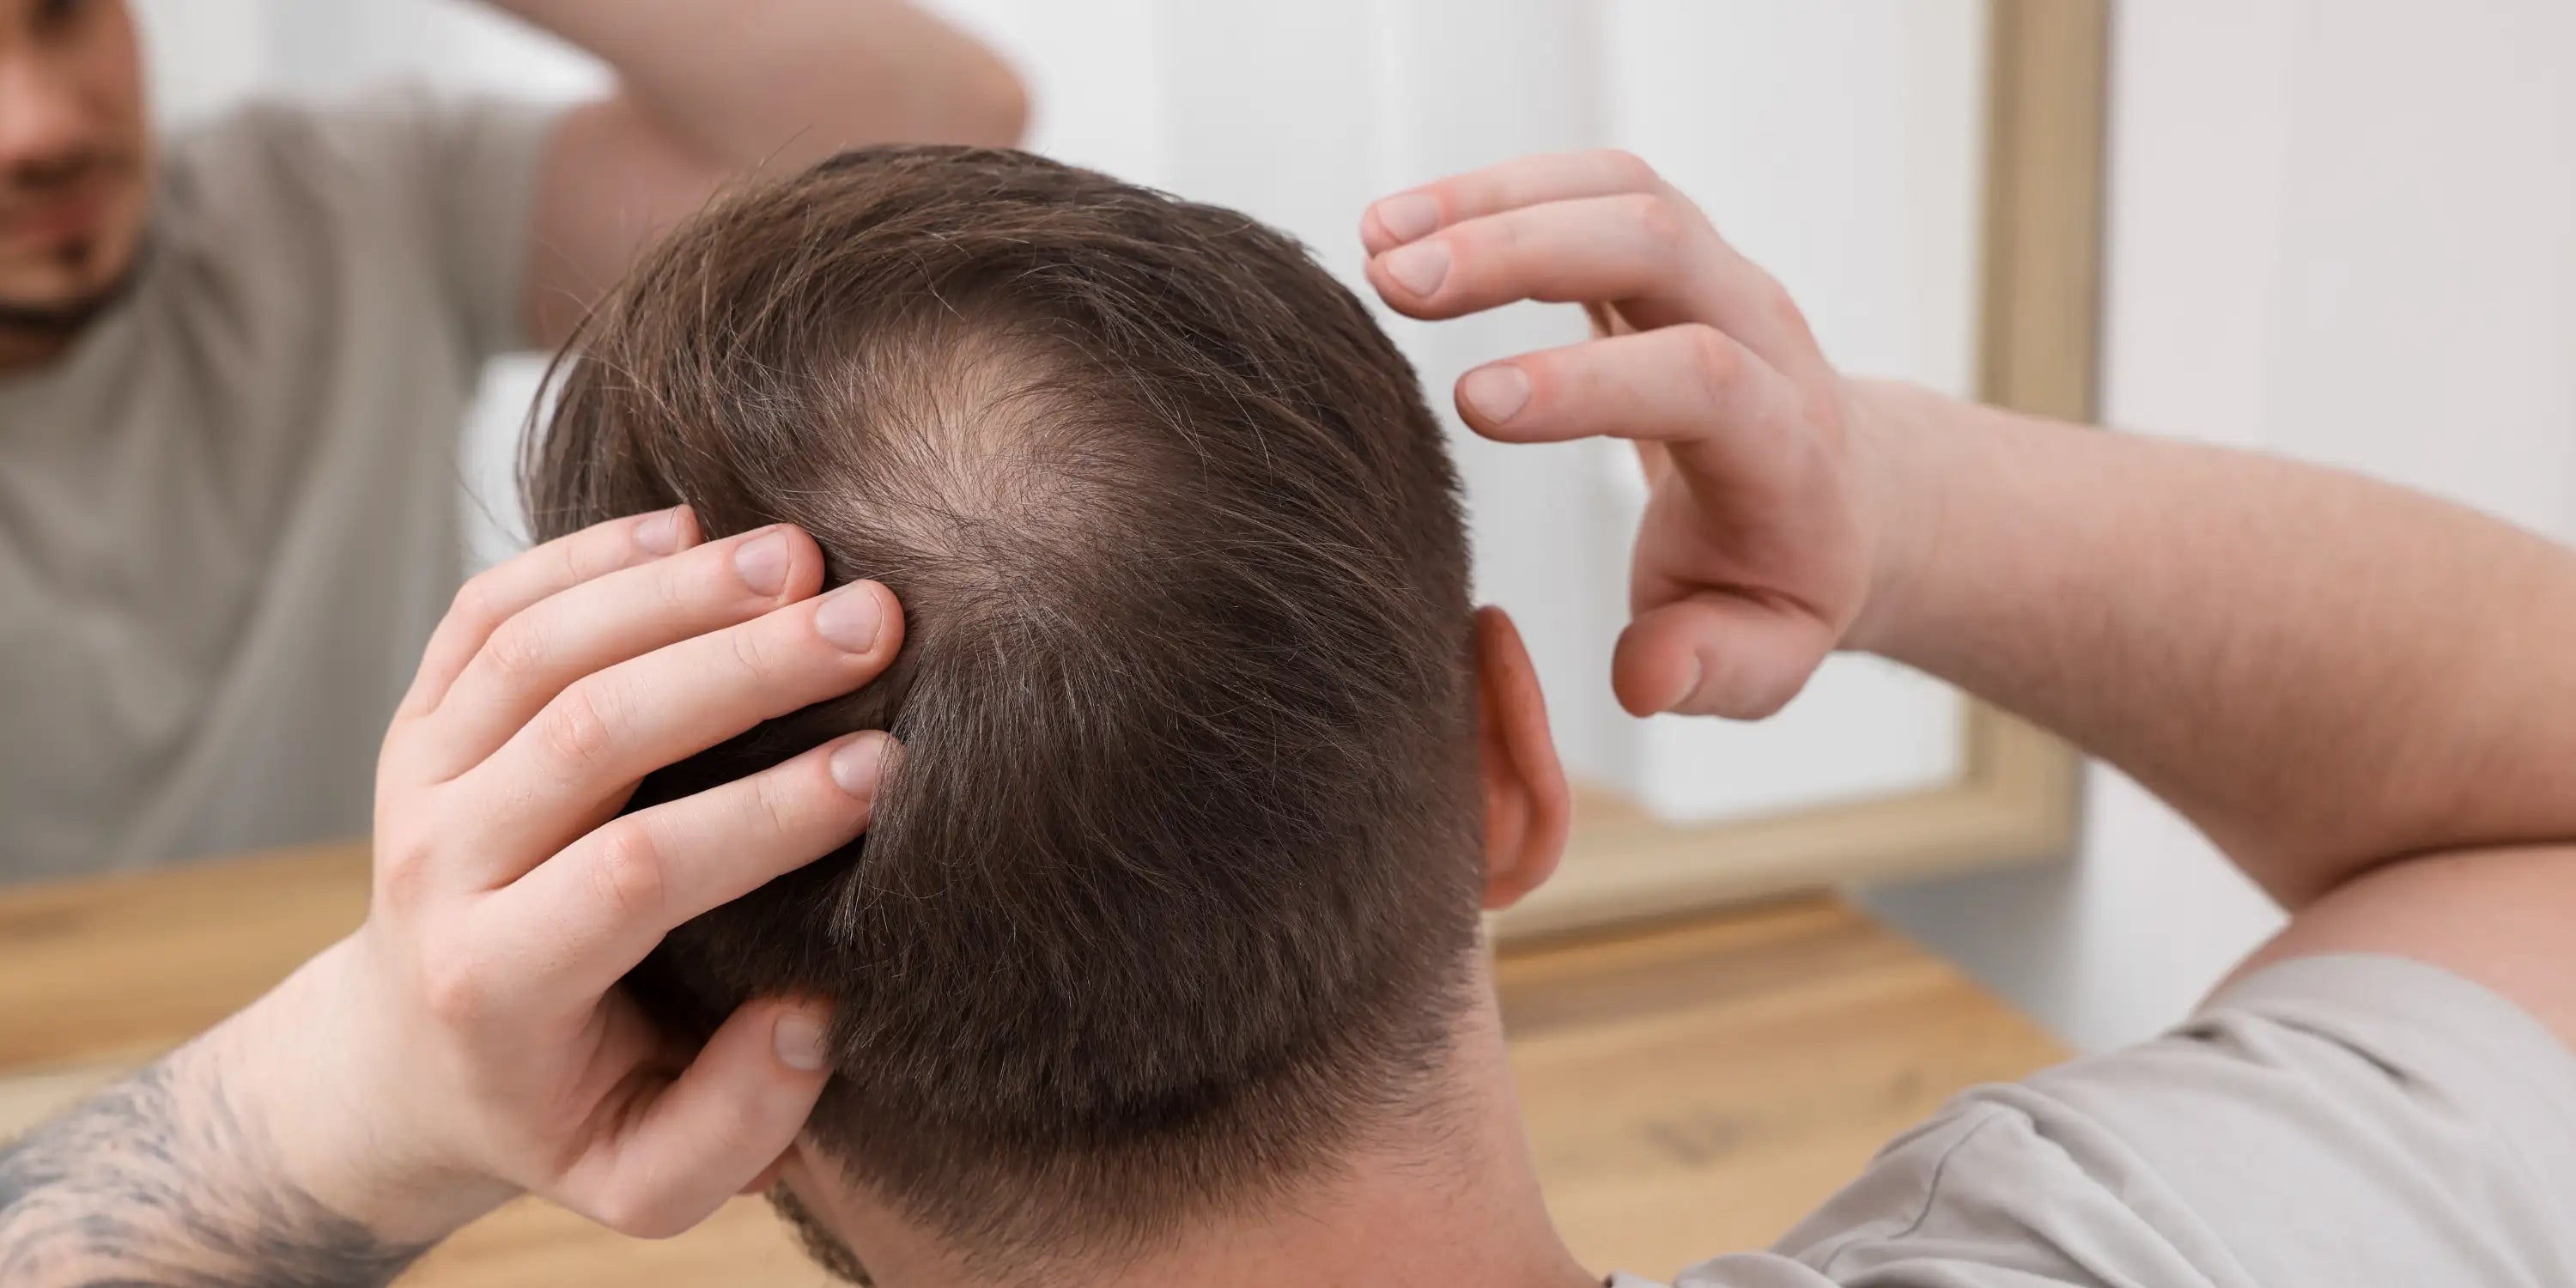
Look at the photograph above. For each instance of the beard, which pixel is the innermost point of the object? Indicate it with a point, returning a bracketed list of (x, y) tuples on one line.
[(112, 171), (64, 318), (826, 1248)]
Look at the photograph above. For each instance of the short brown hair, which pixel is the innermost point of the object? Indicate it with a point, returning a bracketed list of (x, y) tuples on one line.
[(1173, 891)]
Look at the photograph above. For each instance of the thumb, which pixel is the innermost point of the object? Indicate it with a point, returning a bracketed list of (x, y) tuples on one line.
[(1717, 654), (715, 1130)]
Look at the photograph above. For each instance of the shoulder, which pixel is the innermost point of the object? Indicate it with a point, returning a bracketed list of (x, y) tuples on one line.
[(385, 152), (2327, 1121), (403, 204)]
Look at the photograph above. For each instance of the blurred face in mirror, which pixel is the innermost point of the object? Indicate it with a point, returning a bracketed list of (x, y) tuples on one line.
[(75, 164)]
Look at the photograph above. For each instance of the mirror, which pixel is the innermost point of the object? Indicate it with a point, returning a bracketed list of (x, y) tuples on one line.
[(1924, 177), (1923, 174)]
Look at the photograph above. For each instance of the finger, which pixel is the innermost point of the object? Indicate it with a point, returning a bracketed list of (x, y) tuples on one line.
[(592, 625), (1718, 655), (1650, 253), (768, 1176), (582, 755), (1653, 461), (500, 592), (1632, 246), (727, 1118), (1710, 402), (582, 919), (1522, 181)]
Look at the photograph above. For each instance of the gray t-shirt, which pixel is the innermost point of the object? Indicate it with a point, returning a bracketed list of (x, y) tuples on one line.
[(229, 516), (2331, 1122)]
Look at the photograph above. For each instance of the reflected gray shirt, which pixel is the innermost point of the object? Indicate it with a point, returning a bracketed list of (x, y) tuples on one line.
[(230, 515), (2329, 1122)]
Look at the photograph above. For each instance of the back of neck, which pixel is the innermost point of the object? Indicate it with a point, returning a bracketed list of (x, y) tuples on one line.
[(1453, 1202)]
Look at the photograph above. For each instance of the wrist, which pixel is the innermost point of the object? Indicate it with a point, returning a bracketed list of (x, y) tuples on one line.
[(1896, 436), (313, 1069)]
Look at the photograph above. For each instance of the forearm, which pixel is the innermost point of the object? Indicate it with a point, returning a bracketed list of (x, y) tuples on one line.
[(788, 82), (158, 1180), (216, 1167), (2323, 672)]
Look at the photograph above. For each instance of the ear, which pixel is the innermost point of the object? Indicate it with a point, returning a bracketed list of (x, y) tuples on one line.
[(1527, 806), (798, 1167)]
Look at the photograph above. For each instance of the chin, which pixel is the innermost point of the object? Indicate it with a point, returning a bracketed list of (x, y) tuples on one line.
[(70, 284), (73, 272)]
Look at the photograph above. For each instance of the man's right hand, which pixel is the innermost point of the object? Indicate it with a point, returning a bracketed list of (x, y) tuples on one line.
[(469, 1043), (1759, 544), (511, 895), (480, 1046)]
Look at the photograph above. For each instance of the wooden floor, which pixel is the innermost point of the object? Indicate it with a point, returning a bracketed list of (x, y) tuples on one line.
[(1690, 1089)]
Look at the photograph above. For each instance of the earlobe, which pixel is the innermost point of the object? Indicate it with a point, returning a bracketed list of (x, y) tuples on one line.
[(1528, 808)]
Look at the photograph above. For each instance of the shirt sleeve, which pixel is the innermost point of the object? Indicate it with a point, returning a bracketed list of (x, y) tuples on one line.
[(486, 159), (2330, 1121), (453, 179)]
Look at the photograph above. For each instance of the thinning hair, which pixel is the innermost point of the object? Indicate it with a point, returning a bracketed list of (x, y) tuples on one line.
[(1171, 897)]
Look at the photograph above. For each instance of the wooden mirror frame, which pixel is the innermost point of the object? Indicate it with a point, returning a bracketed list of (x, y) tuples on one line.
[(2014, 800)]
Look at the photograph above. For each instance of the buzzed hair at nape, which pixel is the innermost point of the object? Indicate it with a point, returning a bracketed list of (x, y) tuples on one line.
[(1171, 897)]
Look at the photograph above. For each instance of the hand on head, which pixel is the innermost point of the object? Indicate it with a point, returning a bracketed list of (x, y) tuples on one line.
[(1755, 553), (510, 895)]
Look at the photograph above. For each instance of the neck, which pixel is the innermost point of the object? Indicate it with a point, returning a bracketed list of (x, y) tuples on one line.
[(1461, 1206), (1458, 1205)]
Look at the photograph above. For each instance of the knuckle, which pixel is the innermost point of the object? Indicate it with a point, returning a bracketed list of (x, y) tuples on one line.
[(1494, 245), (678, 587), (572, 566), (1662, 225), (1782, 308), (517, 649), (1627, 169), (757, 655), (576, 726), (454, 986), (773, 805), (628, 871), (474, 602), (403, 868), (1714, 360)]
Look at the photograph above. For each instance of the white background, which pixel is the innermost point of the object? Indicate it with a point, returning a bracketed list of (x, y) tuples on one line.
[(1839, 143), (2341, 229)]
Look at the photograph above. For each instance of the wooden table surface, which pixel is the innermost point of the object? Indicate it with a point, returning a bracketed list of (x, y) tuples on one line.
[(1690, 1088)]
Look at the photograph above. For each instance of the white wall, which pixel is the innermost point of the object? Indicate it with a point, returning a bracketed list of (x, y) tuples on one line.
[(2339, 229)]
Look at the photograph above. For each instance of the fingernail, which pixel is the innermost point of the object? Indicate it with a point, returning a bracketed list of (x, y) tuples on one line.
[(1690, 685), (1496, 393), (850, 618), (1408, 216), (660, 533), (799, 1038), (762, 562), (1419, 267), (857, 764)]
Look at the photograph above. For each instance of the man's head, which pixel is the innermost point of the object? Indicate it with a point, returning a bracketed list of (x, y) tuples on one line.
[(1170, 906), (75, 164)]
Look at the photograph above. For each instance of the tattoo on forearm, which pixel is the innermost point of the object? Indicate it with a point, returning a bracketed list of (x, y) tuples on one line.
[(155, 1183)]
